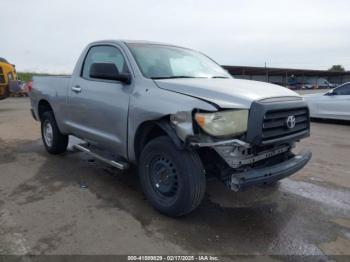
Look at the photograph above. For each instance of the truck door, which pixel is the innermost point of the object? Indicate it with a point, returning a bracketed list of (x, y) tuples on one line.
[(98, 108)]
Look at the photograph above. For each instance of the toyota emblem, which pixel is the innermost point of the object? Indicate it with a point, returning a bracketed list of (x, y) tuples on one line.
[(290, 122)]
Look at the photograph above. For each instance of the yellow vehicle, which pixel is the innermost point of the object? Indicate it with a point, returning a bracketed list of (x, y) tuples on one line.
[(8, 76)]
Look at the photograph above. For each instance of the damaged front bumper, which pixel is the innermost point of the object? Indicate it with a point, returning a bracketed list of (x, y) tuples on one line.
[(235, 152), (238, 156), (269, 174)]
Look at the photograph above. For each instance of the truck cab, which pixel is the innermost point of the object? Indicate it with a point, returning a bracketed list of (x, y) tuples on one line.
[(175, 114)]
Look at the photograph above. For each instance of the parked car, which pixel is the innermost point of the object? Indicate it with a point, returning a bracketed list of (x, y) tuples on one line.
[(334, 104), (317, 83), (293, 84), (175, 114)]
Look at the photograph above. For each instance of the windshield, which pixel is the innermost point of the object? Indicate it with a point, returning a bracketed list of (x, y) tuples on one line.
[(161, 62)]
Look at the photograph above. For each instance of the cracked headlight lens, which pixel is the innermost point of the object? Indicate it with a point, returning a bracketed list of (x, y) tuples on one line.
[(223, 123)]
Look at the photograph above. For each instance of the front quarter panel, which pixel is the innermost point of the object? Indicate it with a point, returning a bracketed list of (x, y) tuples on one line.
[(149, 102)]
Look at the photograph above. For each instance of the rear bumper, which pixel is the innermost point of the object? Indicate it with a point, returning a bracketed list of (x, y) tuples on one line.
[(269, 174)]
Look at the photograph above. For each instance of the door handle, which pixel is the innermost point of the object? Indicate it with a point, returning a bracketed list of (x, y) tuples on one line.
[(76, 89)]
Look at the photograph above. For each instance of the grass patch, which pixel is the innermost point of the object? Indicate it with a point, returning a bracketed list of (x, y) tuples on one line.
[(26, 76)]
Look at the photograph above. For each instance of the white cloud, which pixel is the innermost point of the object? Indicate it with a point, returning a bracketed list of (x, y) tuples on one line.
[(48, 36)]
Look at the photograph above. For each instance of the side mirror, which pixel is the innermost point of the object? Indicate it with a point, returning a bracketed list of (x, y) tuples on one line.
[(108, 71), (125, 78)]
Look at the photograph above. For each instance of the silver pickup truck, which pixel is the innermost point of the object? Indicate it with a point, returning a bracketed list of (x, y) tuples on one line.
[(175, 114)]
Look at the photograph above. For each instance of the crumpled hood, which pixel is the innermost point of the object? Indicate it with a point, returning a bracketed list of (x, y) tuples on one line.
[(226, 93)]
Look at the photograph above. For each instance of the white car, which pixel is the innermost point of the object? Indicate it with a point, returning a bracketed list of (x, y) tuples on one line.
[(334, 104)]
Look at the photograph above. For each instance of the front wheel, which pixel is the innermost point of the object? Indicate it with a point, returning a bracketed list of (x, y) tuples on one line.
[(55, 142), (172, 179)]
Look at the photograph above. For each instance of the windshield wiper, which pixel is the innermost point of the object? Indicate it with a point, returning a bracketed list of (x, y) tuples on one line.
[(172, 77)]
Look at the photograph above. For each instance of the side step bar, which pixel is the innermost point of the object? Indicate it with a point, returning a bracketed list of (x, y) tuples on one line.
[(120, 165)]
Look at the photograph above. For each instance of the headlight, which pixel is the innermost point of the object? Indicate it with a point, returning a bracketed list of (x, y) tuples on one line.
[(223, 123)]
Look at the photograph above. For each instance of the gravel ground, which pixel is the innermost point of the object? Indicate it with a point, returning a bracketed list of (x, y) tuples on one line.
[(72, 204)]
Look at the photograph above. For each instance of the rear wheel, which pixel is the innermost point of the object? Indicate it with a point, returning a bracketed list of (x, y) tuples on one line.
[(173, 180), (55, 142)]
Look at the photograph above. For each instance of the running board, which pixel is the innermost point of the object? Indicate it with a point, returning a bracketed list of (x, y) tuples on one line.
[(118, 164)]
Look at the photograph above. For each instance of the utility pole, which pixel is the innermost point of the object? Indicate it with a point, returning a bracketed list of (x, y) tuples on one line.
[(267, 73)]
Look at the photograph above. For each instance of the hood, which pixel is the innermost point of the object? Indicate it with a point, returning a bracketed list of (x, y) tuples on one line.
[(226, 93)]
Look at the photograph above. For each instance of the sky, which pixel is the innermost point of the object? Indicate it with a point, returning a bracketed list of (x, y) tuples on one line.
[(49, 35)]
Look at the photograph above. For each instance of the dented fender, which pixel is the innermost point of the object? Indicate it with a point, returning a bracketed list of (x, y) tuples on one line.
[(151, 103)]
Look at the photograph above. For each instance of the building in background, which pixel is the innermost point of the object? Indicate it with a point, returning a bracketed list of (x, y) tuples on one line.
[(292, 78)]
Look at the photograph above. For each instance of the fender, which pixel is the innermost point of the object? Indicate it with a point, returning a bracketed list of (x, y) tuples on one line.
[(166, 127)]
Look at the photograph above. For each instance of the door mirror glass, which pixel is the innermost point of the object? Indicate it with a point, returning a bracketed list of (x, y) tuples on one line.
[(108, 71)]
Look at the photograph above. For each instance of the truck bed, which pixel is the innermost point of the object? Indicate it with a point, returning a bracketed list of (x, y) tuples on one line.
[(53, 89), (50, 85)]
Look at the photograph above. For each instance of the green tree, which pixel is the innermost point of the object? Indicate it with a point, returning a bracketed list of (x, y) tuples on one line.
[(337, 68)]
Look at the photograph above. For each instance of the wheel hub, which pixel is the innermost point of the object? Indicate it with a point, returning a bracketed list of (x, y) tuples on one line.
[(48, 133), (163, 176)]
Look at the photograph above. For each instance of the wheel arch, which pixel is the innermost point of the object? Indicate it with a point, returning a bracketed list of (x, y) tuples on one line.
[(44, 106), (149, 130)]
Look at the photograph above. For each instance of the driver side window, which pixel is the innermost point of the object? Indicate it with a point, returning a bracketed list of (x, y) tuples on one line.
[(343, 90), (104, 54)]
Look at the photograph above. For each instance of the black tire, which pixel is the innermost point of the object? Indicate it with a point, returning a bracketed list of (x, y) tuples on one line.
[(59, 142), (183, 187)]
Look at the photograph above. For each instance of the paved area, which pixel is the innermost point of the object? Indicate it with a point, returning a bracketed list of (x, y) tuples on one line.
[(71, 204)]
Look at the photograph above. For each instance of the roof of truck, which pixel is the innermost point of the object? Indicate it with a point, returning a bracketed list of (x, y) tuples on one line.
[(144, 42), (126, 41)]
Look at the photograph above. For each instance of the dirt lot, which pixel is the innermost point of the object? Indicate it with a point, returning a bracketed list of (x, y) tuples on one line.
[(71, 204)]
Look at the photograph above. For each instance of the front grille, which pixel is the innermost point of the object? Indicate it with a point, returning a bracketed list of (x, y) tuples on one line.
[(275, 126)]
